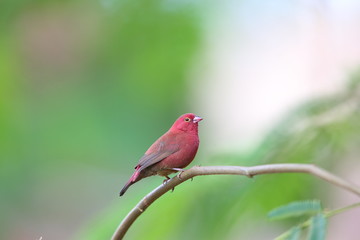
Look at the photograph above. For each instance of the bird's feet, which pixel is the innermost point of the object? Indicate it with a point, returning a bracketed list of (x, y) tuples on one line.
[(166, 180), (180, 170)]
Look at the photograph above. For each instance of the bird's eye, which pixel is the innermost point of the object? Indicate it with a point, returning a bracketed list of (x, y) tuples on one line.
[(187, 119)]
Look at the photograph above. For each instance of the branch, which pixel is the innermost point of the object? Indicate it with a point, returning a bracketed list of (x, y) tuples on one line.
[(228, 170)]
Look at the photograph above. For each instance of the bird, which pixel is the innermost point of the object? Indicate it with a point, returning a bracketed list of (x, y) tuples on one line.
[(170, 153)]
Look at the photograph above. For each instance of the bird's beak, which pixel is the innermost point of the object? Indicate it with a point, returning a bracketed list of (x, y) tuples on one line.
[(197, 119)]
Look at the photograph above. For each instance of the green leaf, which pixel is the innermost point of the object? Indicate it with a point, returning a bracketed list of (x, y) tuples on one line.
[(294, 234), (317, 227), (291, 234), (295, 209)]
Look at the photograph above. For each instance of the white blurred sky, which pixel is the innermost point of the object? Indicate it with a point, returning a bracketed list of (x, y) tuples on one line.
[(262, 58)]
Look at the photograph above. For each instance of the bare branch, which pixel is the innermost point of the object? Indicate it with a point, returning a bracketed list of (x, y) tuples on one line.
[(229, 170)]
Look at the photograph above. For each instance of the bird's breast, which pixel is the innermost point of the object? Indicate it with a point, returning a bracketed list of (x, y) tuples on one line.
[(184, 156)]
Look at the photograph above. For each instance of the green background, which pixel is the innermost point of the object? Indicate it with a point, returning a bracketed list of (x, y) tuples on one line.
[(87, 86)]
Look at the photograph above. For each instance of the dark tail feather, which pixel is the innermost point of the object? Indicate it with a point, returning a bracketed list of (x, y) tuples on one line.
[(131, 181), (127, 185)]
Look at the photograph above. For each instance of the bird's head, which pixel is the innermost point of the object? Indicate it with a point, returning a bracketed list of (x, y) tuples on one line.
[(187, 123)]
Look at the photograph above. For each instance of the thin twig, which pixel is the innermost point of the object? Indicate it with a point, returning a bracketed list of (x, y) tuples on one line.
[(228, 170)]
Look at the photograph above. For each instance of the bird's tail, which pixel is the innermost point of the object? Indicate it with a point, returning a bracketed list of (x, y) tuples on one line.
[(133, 179)]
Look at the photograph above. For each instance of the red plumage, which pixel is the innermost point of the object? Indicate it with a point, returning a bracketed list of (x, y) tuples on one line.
[(171, 152)]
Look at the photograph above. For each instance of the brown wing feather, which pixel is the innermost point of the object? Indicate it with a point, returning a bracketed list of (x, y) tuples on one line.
[(163, 150)]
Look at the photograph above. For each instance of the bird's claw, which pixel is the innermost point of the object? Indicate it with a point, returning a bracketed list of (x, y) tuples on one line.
[(166, 180), (179, 176), (179, 170)]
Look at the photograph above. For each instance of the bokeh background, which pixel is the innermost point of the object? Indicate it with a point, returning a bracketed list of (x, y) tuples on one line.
[(87, 86)]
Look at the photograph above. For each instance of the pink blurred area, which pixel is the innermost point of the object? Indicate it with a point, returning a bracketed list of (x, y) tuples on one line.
[(271, 56)]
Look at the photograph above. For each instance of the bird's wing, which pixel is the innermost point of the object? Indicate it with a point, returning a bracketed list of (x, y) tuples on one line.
[(163, 151)]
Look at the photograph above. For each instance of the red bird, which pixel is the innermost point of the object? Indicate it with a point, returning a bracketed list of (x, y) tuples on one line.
[(171, 152)]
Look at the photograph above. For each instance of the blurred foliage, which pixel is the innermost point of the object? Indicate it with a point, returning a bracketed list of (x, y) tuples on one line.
[(85, 86), (301, 209), (296, 209), (317, 227)]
